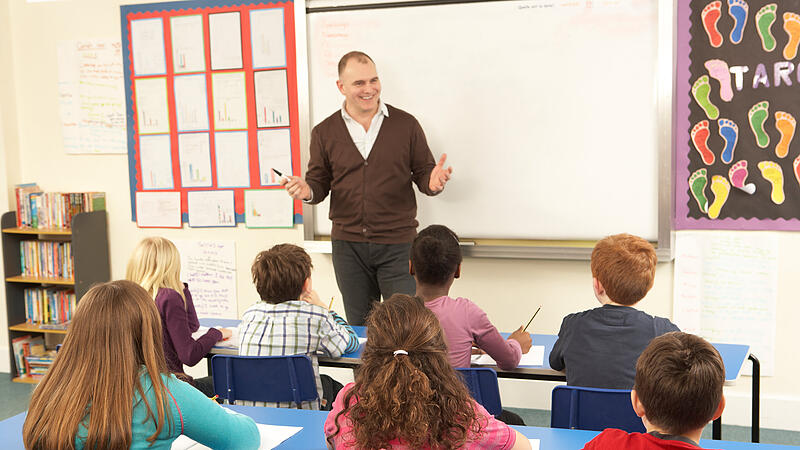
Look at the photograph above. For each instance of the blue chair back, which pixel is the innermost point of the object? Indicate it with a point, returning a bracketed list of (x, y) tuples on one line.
[(482, 384), (594, 409), (264, 378)]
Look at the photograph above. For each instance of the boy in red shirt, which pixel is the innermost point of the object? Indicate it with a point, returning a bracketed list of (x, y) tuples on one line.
[(678, 390)]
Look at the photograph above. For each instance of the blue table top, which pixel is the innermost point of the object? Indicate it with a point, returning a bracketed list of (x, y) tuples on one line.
[(733, 355), (312, 437)]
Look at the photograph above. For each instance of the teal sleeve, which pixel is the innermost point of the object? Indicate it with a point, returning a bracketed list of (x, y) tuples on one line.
[(210, 424), (352, 341)]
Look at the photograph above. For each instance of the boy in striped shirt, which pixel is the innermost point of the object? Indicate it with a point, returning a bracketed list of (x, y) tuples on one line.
[(290, 319)]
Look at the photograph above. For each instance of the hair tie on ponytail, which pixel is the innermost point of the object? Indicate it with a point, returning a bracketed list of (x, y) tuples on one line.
[(400, 352)]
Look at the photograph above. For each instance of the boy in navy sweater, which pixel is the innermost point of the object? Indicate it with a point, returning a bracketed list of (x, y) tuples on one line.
[(599, 347)]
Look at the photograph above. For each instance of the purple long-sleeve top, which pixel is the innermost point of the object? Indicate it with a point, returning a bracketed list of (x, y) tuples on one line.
[(178, 324)]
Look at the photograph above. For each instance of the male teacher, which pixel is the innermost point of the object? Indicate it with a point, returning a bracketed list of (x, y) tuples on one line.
[(366, 155)]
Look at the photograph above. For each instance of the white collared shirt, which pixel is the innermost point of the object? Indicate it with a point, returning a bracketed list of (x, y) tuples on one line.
[(364, 139)]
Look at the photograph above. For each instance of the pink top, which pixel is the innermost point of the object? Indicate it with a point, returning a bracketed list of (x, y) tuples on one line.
[(463, 323), (494, 433)]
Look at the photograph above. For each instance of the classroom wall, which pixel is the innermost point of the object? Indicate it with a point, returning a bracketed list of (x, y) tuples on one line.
[(507, 289)]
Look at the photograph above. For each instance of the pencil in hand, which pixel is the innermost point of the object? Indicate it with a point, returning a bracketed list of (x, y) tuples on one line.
[(330, 305), (534, 315)]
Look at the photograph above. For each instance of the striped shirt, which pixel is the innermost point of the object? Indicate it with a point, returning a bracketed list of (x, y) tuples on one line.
[(294, 328)]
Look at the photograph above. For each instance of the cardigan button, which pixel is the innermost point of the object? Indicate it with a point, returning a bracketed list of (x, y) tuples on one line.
[(366, 163)]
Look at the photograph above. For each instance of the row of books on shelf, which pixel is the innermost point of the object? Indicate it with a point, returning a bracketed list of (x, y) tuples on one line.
[(46, 259), (50, 307), (31, 357), (37, 209)]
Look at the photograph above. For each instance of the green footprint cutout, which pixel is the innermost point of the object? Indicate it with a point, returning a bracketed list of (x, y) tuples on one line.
[(765, 17), (697, 184), (701, 90), (757, 116)]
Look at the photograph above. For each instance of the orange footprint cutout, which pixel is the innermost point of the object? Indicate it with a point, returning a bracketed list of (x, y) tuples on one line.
[(791, 25), (700, 140), (786, 125)]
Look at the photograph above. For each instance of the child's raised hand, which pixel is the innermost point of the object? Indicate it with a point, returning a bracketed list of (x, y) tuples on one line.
[(524, 339), (226, 333), (312, 298)]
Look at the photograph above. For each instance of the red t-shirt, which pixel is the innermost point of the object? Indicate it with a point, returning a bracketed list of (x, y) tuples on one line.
[(617, 439)]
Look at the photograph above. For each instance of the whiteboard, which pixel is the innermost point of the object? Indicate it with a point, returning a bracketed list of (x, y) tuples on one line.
[(548, 110)]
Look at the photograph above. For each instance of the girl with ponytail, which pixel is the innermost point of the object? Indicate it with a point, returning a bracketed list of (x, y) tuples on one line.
[(406, 394)]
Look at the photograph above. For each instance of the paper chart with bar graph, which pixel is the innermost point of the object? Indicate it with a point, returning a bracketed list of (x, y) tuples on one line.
[(211, 88)]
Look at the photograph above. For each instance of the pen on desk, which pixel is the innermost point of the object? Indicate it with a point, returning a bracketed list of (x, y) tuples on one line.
[(330, 305), (534, 315)]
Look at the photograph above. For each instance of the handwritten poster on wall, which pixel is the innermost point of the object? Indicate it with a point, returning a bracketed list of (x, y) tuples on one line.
[(206, 83), (209, 268), (91, 96), (738, 162), (726, 289)]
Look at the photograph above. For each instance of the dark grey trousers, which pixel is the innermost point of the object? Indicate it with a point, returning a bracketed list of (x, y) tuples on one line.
[(365, 272)]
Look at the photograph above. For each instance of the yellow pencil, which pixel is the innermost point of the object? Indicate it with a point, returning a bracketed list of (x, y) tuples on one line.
[(330, 305)]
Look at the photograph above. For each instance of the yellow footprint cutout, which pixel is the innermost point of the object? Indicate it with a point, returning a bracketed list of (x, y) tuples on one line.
[(786, 125), (773, 173), (791, 25), (721, 188)]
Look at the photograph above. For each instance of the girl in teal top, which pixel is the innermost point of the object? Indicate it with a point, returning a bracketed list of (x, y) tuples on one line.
[(109, 387)]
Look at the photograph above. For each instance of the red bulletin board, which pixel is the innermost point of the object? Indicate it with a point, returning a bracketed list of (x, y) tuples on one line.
[(165, 12)]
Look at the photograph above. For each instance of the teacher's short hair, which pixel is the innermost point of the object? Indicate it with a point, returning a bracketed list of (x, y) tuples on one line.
[(280, 272), (361, 57)]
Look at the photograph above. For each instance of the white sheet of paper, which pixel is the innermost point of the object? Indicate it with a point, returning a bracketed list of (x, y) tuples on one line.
[(211, 209), (152, 114), (188, 53), (158, 209), (726, 289), (272, 98), (191, 106), (534, 444), (195, 159), (534, 357), (226, 40), (233, 166), (274, 152), (230, 102), (155, 158), (91, 95), (268, 208), (232, 342), (147, 41), (267, 38), (209, 268), (271, 437), (362, 340)]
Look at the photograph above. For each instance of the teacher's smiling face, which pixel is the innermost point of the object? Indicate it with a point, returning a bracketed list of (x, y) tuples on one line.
[(360, 86)]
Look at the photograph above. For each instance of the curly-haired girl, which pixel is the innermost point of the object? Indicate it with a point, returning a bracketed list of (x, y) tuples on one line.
[(406, 394)]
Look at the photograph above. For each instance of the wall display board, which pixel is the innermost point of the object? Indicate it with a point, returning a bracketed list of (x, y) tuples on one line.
[(737, 162), (211, 91), (555, 116)]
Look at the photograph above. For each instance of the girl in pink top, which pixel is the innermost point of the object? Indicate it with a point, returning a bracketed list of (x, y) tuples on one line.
[(435, 264), (406, 395)]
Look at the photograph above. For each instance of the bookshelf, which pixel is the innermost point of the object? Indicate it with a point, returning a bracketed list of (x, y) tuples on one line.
[(89, 238)]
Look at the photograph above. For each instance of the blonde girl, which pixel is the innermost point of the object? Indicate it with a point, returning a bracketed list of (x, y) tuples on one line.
[(156, 266), (109, 386)]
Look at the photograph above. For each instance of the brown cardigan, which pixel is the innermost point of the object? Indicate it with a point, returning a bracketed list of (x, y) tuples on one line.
[(371, 200)]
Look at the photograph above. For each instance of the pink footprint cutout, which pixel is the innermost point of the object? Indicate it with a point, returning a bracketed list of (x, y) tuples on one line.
[(700, 140), (710, 16), (738, 176), (796, 167), (718, 70)]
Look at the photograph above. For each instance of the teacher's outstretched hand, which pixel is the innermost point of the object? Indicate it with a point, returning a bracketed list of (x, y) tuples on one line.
[(440, 175), (297, 187)]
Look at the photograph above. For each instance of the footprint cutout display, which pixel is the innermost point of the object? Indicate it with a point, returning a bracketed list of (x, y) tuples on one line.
[(700, 134), (738, 10), (730, 133), (701, 91), (786, 125), (697, 186), (765, 17), (772, 172), (791, 25), (721, 188), (718, 70), (796, 169), (710, 16), (757, 116), (738, 176)]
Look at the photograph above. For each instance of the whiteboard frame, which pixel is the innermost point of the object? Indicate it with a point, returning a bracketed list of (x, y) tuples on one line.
[(665, 111)]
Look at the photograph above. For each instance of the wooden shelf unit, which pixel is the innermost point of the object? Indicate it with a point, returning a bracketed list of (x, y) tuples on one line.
[(89, 238)]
